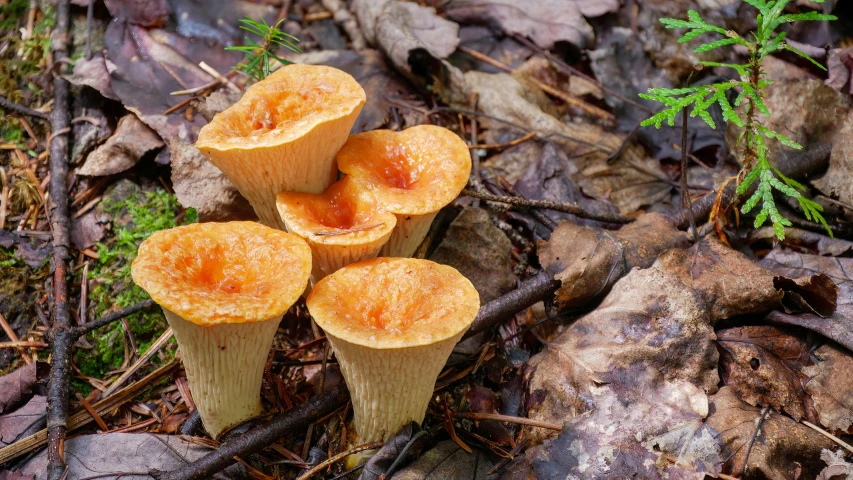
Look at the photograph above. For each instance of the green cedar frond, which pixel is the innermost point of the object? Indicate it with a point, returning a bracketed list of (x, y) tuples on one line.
[(256, 65), (778, 136), (741, 68), (799, 52), (707, 47)]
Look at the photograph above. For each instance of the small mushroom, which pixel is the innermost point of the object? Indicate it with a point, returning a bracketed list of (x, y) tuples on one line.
[(341, 225), (224, 288), (393, 323), (283, 134), (413, 174)]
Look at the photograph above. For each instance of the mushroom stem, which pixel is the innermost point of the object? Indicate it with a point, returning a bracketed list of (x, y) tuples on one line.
[(328, 259), (407, 235), (225, 366), (385, 397)]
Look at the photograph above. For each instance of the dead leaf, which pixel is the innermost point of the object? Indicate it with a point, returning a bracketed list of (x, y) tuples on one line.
[(836, 467), (762, 364), (23, 421), (31, 250), (806, 240), (17, 386), (382, 85), (448, 460), (141, 12), (839, 64), (92, 73), (589, 260), (382, 460), (782, 449), (403, 31), (546, 22), (833, 183), (638, 417), (838, 327), (200, 185), (128, 456), (87, 230), (831, 388), (480, 251), (131, 140)]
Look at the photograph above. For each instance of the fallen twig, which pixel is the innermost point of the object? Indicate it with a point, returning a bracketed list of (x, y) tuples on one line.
[(493, 146), (320, 466), (112, 317), (509, 419), (61, 336), (572, 208), (6, 104), (261, 437)]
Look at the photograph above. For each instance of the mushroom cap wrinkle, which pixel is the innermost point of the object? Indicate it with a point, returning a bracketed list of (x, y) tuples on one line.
[(283, 134), (342, 225), (394, 337), (224, 288), (413, 174)]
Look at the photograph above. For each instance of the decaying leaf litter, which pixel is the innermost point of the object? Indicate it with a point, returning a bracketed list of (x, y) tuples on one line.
[(615, 343)]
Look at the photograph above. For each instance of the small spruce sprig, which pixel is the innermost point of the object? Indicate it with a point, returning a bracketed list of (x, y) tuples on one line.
[(256, 65), (751, 93)]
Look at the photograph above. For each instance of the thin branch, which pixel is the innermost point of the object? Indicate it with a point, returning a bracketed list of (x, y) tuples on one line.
[(6, 104), (572, 208), (320, 466), (509, 419), (112, 317), (61, 336)]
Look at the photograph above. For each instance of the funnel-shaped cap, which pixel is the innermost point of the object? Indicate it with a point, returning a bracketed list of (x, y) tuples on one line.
[(393, 337), (283, 134), (224, 288)]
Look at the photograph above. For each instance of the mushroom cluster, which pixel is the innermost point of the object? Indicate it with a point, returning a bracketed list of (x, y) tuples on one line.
[(224, 287)]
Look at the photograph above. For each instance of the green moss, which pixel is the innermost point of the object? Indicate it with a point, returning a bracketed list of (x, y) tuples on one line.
[(135, 218)]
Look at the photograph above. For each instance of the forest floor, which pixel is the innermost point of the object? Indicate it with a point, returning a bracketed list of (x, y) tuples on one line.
[(660, 334)]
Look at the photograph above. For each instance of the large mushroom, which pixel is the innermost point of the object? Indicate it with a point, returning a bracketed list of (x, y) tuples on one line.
[(224, 288), (394, 336), (283, 134), (413, 173), (342, 225)]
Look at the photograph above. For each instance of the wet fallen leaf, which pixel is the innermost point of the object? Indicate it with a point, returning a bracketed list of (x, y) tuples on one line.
[(448, 460), (831, 387), (546, 22), (125, 456), (589, 260), (141, 12), (480, 251), (382, 460), (23, 421), (839, 64), (778, 448), (93, 73), (200, 185), (17, 386), (836, 466), (131, 140), (807, 240), (405, 30), (762, 364), (839, 326)]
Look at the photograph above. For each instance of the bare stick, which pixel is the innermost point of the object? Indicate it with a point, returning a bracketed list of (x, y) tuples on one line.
[(572, 208), (509, 419), (6, 104), (61, 336), (320, 466)]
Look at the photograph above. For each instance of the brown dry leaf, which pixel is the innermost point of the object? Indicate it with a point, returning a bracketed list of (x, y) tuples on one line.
[(839, 326), (638, 417), (17, 386), (762, 364), (782, 449), (589, 260), (128, 456), (406, 32), (131, 140), (448, 460), (480, 251), (23, 421), (836, 466), (381, 83), (806, 240), (840, 63), (831, 388), (201, 185), (546, 22), (92, 73), (142, 12)]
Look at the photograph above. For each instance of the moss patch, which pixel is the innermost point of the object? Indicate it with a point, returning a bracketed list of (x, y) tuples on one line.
[(134, 216)]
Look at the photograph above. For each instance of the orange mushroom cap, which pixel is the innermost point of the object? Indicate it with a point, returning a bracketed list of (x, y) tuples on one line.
[(413, 172), (344, 214), (220, 273)]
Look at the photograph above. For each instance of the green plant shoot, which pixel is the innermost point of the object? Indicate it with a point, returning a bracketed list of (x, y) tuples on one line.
[(256, 65), (750, 93)]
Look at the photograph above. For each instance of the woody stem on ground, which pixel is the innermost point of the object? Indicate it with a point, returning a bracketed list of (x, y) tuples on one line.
[(61, 336)]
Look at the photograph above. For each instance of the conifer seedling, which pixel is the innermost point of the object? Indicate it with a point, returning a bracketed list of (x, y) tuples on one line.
[(256, 65), (750, 88)]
